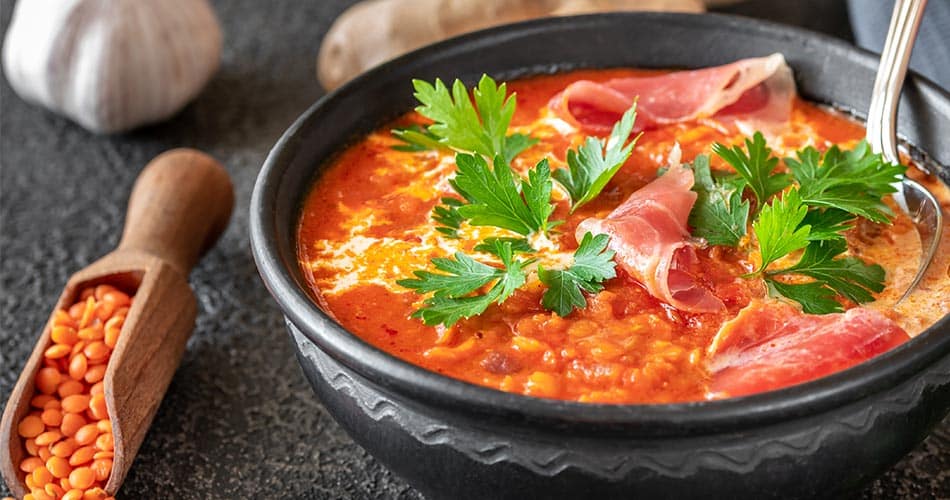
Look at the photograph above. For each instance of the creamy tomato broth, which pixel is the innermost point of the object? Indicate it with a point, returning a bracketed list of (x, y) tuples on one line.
[(366, 224)]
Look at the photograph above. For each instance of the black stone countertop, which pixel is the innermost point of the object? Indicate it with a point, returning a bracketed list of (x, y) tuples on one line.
[(239, 420)]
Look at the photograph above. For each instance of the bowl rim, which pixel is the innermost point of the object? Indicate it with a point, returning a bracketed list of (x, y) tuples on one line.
[(404, 378)]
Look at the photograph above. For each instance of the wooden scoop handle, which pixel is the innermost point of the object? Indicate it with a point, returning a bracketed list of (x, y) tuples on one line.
[(179, 206)]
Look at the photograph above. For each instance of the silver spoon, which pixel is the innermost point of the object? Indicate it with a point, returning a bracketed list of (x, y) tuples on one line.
[(912, 197)]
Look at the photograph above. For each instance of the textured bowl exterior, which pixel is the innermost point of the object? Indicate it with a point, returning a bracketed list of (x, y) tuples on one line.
[(449, 456), (454, 440)]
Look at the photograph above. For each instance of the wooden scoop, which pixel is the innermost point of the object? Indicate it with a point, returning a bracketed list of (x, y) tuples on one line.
[(179, 206)]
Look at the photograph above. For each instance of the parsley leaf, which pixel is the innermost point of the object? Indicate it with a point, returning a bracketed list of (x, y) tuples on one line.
[(480, 128), (490, 245), (827, 224), (854, 181), (594, 163), (593, 264), (847, 276), (447, 217), (415, 138), (792, 222), (462, 276), (779, 228), (515, 144), (448, 310), (537, 196), (755, 167), (720, 215), (814, 297), (495, 198)]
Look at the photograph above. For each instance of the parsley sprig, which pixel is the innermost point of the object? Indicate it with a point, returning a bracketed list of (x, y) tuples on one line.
[(809, 208), (854, 181), (462, 276), (459, 124), (477, 129), (593, 264), (779, 228), (416, 138), (490, 193), (755, 166), (720, 215), (447, 217), (495, 198), (846, 276), (595, 162)]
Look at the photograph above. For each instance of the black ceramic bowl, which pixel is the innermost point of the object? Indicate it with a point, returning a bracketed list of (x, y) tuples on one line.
[(455, 440)]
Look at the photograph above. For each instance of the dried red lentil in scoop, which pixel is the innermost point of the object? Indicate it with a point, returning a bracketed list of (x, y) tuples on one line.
[(67, 435)]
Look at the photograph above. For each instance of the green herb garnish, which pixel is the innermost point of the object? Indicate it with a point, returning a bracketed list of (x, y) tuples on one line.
[(756, 167), (492, 194), (416, 138), (479, 128), (462, 276), (515, 144), (810, 209), (828, 224), (720, 215), (593, 264), (495, 198), (490, 245), (595, 162), (779, 228), (854, 181), (846, 276), (447, 217)]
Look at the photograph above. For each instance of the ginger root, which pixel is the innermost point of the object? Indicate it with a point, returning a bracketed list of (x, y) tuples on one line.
[(375, 31)]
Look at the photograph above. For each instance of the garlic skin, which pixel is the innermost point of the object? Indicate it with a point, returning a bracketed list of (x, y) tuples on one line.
[(111, 65)]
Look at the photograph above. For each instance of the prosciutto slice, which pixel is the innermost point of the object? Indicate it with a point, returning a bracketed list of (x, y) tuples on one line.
[(771, 345), (651, 242), (756, 91)]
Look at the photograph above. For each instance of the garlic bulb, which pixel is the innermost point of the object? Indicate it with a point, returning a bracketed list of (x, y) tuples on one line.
[(111, 65)]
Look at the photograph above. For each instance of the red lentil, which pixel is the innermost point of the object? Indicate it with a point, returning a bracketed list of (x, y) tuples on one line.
[(67, 435), (87, 434), (48, 379), (59, 467), (69, 388), (31, 426), (82, 477), (76, 403), (48, 438), (82, 455), (52, 417), (72, 423)]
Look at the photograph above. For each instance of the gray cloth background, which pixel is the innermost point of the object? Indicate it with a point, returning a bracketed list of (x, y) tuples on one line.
[(931, 57)]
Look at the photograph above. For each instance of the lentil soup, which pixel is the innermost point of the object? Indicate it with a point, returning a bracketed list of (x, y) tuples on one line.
[(366, 224)]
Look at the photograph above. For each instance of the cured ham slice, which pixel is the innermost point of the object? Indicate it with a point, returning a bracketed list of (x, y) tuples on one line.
[(755, 91), (771, 345), (651, 242)]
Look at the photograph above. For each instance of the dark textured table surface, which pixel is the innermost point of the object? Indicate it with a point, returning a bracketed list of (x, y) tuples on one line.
[(239, 420)]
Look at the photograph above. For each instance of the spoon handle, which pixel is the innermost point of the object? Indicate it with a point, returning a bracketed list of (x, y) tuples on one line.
[(911, 196), (179, 206), (882, 115)]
